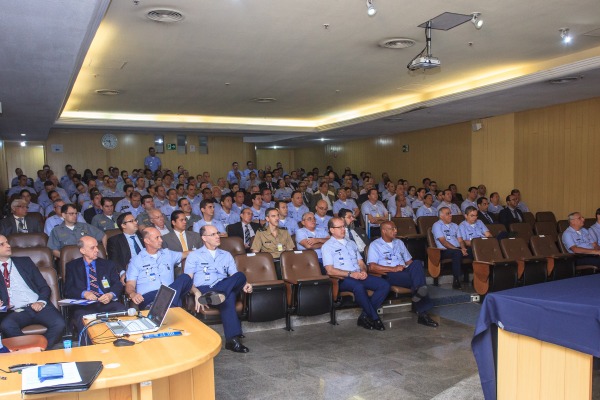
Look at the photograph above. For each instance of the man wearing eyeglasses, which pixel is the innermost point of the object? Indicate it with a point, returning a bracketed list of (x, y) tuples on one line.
[(311, 237), (19, 221), (122, 247), (342, 260), (215, 273), (70, 231)]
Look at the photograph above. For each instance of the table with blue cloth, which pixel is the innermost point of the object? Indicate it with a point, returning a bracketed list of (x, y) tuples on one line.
[(564, 312)]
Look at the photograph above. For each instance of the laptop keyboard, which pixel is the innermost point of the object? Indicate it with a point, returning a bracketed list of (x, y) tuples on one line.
[(140, 324)]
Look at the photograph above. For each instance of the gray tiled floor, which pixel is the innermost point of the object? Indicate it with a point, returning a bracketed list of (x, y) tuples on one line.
[(321, 361)]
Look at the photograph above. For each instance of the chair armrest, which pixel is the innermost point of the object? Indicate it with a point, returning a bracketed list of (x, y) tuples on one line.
[(534, 258), (411, 237), (266, 283)]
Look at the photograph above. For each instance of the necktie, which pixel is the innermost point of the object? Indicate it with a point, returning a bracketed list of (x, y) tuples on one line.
[(21, 227), (6, 280), (351, 235), (183, 243), (93, 281), (135, 245), (247, 235)]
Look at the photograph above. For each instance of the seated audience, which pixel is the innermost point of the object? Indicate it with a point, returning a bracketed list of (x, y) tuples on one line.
[(578, 240), (19, 221), (108, 219), (511, 214), (70, 231), (472, 228), (272, 238), (180, 239), (447, 237)]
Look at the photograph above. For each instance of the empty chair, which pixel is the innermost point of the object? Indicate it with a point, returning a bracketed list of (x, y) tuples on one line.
[(546, 228), (233, 244), (491, 271), (560, 266), (531, 269), (416, 243), (423, 223), (588, 222), (41, 256), (495, 229), (28, 239), (562, 225), (268, 300), (522, 230), (545, 216), (529, 218), (309, 292), (38, 216), (435, 262)]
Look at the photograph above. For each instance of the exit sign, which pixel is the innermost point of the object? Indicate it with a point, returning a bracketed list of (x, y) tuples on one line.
[(171, 146)]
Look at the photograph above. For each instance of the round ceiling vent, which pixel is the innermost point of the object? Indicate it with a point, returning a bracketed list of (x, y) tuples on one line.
[(264, 100), (565, 79), (165, 15), (108, 92), (396, 43)]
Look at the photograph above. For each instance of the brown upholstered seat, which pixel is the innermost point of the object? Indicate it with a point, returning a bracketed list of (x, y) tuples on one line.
[(491, 271), (579, 269), (424, 223), (26, 342), (531, 269), (546, 228), (28, 239), (416, 243), (112, 232), (41, 256), (529, 218), (435, 262), (309, 292), (495, 229), (268, 301), (522, 230), (588, 222), (562, 225), (545, 216), (49, 275), (233, 244), (458, 218), (560, 265)]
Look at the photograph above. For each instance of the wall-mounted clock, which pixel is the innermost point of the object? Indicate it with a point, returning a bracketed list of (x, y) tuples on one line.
[(109, 141)]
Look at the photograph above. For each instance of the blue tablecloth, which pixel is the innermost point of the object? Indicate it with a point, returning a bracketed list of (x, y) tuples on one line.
[(565, 312)]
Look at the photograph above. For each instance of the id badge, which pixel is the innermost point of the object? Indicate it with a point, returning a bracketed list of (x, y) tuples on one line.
[(279, 247), (152, 276), (105, 283)]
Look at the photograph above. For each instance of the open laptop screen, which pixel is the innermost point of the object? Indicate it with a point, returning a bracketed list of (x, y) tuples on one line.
[(161, 304)]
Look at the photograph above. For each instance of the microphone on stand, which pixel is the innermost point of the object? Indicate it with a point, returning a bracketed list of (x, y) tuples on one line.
[(128, 313)]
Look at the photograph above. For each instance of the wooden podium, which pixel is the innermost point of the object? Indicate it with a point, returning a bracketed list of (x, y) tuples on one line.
[(178, 367)]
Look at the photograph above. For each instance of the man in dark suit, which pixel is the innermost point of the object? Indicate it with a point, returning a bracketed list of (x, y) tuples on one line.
[(180, 239), (92, 278), (323, 194), (510, 214), (245, 229), (25, 292), (95, 209), (122, 247), (19, 221), (353, 232), (482, 212)]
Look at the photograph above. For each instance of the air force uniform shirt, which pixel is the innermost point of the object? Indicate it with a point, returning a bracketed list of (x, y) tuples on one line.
[(341, 254), (208, 270), (151, 271), (450, 232), (469, 232), (388, 254), (581, 238), (304, 233)]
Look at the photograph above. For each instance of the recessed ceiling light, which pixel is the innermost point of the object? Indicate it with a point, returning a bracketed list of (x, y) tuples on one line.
[(23, 144), (264, 100), (108, 92), (23, 134), (163, 15), (396, 43)]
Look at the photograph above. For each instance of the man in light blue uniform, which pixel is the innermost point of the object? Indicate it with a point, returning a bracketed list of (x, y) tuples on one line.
[(321, 216), (250, 168), (447, 238), (235, 175), (398, 205), (427, 209), (208, 212), (214, 269), (342, 260), (447, 202), (471, 200), (374, 211), (153, 267), (284, 221), (296, 207), (258, 213), (472, 228), (152, 162), (578, 240), (311, 237), (344, 202), (389, 256), (595, 229)]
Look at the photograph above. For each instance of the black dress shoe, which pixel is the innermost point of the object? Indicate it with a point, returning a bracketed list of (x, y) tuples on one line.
[(236, 346), (241, 336), (365, 322), (378, 324), (456, 284), (211, 298), (425, 319)]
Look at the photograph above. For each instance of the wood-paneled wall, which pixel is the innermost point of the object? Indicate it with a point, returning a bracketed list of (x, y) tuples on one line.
[(557, 160), (271, 157), (83, 149)]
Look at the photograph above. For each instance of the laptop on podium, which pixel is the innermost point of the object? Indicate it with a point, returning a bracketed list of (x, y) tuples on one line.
[(152, 322)]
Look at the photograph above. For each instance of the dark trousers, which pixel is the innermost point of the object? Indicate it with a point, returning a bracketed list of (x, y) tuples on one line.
[(591, 260), (380, 289), (230, 287), (412, 277), (457, 257), (182, 284), (49, 317), (95, 308)]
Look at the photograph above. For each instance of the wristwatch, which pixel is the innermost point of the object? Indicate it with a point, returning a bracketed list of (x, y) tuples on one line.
[(349, 273)]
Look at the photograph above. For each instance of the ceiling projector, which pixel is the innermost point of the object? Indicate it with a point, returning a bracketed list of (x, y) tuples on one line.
[(424, 62)]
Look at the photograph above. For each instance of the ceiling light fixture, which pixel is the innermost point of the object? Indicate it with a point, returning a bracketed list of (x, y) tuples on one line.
[(476, 20), (23, 144), (565, 35), (23, 134), (371, 10)]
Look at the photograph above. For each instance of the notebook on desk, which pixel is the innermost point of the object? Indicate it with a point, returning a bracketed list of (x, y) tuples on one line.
[(152, 322)]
